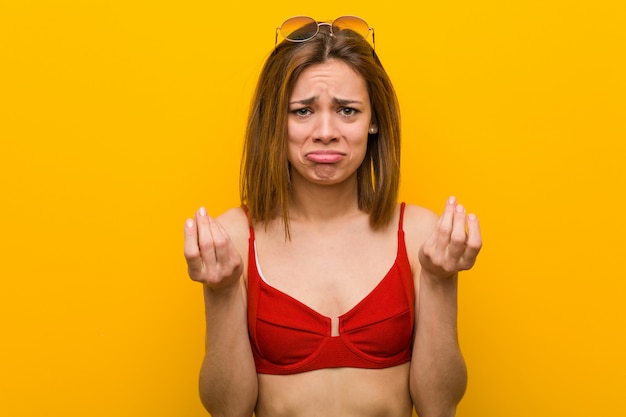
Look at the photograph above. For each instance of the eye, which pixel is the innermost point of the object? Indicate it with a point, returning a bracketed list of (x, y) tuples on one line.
[(348, 111), (304, 111)]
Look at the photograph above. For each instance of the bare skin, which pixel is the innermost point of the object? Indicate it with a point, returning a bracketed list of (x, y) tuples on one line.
[(321, 266), (337, 392)]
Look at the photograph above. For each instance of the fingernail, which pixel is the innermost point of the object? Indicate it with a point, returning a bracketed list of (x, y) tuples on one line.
[(472, 216), (189, 223), (202, 211), (452, 200), (460, 208)]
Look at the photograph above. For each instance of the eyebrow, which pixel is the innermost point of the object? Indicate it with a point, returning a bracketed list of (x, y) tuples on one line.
[(339, 101)]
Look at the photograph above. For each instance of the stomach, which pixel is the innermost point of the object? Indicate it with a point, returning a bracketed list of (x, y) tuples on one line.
[(345, 392)]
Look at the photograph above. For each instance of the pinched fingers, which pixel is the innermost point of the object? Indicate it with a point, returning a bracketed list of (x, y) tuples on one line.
[(446, 221), (474, 241), (211, 256), (192, 251), (458, 236), (206, 242), (227, 260), (455, 242)]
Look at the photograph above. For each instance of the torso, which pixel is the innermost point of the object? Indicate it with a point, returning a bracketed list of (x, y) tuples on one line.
[(332, 279), (335, 267), (345, 392)]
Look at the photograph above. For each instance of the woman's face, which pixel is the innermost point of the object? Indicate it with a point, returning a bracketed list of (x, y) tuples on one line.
[(328, 123)]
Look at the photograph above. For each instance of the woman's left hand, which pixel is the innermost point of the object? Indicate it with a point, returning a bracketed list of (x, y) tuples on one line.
[(454, 244)]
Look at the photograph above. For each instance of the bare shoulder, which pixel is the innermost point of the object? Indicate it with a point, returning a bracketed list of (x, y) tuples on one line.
[(235, 222), (419, 223)]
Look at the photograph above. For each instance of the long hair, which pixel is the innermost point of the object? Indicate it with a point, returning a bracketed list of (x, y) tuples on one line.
[(264, 181)]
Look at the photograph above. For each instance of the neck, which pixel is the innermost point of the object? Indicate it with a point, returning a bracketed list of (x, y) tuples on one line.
[(313, 202)]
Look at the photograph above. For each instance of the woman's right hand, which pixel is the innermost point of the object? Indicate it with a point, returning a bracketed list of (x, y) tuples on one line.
[(212, 258)]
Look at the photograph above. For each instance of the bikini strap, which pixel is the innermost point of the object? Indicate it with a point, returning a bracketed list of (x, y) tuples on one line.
[(245, 210), (402, 205)]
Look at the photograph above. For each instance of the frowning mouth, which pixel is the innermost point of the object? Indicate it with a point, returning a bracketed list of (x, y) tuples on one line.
[(325, 157)]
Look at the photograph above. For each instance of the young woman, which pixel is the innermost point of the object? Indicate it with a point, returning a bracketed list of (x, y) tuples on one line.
[(323, 295)]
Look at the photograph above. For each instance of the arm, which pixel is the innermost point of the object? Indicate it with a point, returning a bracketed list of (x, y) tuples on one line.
[(228, 380), (438, 374)]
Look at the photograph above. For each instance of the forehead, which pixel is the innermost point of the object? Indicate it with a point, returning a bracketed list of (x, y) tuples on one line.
[(335, 78)]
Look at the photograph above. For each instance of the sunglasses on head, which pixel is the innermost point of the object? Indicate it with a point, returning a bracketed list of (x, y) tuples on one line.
[(304, 28)]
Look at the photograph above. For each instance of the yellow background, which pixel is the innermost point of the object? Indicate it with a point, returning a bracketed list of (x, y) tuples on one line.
[(119, 118)]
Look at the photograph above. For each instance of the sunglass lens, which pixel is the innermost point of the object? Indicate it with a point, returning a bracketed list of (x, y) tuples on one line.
[(353, 23), (299, 28)]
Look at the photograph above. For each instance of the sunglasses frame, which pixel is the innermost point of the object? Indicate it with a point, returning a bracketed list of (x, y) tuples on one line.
[(331, 24)]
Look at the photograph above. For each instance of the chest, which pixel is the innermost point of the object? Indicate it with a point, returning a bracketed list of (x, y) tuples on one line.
[(329, 272)]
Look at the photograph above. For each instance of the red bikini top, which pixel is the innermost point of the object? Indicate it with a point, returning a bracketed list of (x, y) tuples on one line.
[(288, 337)]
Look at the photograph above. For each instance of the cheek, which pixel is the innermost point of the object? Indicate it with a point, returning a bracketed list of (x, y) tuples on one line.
[(363, 147), (361, 142), (295, 132), (296, 137), (293, 148)]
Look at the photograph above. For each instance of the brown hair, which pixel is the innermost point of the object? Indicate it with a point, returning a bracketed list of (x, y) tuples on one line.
[(264, 182)]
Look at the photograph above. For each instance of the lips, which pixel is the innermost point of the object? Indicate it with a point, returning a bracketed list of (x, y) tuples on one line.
[(325, 157)]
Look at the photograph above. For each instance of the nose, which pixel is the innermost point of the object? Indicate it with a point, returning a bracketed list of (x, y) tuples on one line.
[(325, 129)]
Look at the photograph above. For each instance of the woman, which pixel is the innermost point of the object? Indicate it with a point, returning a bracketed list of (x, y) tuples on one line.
[(323, 295)]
